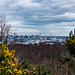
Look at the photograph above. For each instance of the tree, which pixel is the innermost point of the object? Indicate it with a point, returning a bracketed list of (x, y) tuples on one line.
[(71, 35), (70, 43), (4, 27)]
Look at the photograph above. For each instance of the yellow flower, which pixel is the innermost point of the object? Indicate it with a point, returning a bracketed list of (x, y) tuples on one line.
[(15, 70), (34, 72), (25, 73), (19, 72), (9, 71), (34, 68), (15, 60), (13, 51), (2, 62), (13, 64), (6, 67)]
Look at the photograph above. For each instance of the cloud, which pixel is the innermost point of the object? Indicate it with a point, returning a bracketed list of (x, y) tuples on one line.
[(25, 4), (4, 2), (25, 31), (40, 16)]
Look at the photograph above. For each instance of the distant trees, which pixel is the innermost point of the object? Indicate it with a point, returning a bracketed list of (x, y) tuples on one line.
[(4, 27)]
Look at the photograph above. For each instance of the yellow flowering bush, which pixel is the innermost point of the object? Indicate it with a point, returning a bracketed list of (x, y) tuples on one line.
[(9, 66), (8, 63), (70, 43)]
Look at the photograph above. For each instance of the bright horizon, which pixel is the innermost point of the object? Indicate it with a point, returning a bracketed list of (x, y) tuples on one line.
[(32, 17)]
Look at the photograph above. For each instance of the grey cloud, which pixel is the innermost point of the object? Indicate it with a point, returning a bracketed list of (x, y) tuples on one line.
[(42, 15)]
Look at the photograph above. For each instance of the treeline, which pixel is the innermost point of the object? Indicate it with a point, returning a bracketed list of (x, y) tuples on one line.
[(50, 55), (37, 53)]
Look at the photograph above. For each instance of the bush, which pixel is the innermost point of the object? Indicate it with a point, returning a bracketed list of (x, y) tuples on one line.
[(9, 66), (71, 46)]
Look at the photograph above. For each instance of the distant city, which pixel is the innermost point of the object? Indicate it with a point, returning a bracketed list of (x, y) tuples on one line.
[(32, 39)]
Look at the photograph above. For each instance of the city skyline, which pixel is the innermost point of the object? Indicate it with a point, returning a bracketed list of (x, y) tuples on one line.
[(40, 16)]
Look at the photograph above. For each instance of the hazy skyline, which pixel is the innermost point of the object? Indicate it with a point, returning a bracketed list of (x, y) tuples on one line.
[(56, 17)]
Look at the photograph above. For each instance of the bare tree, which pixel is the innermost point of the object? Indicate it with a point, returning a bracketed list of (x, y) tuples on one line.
[(4, 27)]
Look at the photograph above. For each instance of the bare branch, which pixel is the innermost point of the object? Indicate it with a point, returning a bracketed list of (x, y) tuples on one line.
[(4, 27)]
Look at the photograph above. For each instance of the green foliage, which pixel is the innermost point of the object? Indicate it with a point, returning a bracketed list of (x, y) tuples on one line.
[(70, 43), (26, 64), (71, 46), (42, 70)]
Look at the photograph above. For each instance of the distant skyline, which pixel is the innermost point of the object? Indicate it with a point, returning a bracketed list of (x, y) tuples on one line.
[(27, 17)]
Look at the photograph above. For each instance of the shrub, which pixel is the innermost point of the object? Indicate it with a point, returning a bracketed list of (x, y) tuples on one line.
[(9, 66), (71, 46)]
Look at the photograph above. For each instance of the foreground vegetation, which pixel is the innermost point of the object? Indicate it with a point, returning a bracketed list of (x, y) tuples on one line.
[(54, 59), (9, 66)]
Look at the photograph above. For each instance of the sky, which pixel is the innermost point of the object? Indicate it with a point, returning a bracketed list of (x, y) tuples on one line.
[(27, 17)]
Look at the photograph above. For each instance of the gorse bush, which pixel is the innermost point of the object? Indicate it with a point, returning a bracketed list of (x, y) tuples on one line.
[(8, 63), (9, 66), (71, 46), (70, 43)]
